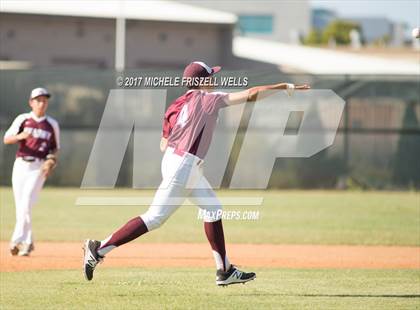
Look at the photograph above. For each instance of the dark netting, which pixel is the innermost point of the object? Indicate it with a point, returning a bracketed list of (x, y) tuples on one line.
[(377, 145)]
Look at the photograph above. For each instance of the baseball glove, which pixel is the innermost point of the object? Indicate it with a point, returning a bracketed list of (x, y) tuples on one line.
[(49, 165)]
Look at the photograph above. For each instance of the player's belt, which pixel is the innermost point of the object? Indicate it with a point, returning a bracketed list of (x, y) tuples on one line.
[(30, 159)]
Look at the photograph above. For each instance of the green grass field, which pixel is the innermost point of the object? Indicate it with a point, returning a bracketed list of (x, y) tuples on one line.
[(286, 217), (294, 217), (194, 288)]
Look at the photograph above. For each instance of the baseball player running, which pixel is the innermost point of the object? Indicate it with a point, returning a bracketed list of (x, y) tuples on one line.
[(38, 137), (188, 127)]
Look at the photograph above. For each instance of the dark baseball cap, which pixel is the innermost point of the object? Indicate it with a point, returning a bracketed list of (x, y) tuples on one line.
[(200, 69)]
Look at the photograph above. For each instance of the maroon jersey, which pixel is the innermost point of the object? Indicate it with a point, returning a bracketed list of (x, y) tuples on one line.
[(44, 135), (190, 121), (171, 114)]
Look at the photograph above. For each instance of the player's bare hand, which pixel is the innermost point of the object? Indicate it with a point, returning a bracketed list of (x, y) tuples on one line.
[(302, 87), (23, 136)]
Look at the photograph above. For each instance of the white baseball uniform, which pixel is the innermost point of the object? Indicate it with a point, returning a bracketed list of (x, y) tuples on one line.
[(189, 135), (27, 176)]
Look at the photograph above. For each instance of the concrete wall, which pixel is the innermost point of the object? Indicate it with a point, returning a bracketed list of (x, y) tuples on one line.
[(169, 44), (55, 41)]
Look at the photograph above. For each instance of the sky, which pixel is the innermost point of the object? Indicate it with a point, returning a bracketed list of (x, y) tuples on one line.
[(406, 11)]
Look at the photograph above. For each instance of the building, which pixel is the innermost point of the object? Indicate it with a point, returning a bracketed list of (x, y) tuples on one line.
[(374, 29), (321, 18), (283, 21), (157, 33)]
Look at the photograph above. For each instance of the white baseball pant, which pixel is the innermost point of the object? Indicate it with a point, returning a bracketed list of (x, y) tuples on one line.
[(182, 178), (27, 182)]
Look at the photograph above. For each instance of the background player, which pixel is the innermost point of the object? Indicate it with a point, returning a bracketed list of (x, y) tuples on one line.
[(188, 128), (38, 137)]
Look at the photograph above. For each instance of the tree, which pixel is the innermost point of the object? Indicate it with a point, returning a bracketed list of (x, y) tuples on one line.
[(339, 31), (313, 38)]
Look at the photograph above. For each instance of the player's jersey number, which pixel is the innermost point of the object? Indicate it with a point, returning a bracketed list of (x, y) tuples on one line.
[(183, 116)]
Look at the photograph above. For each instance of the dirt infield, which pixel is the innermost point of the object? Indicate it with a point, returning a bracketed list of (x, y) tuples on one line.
[(48, 255)]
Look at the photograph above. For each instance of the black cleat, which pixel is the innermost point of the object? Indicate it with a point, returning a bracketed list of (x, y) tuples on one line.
[(91, 257), (14, 249), (233, 276)]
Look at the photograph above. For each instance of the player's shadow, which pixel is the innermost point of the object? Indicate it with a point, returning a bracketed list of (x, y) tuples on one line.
[(336, 295), (362, 295)]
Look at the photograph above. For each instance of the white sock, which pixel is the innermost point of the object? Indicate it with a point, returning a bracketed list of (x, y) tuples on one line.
[(219, 261), (107, 249)]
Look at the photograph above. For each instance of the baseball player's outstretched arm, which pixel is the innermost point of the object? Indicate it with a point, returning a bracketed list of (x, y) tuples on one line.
[(260, 92)]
